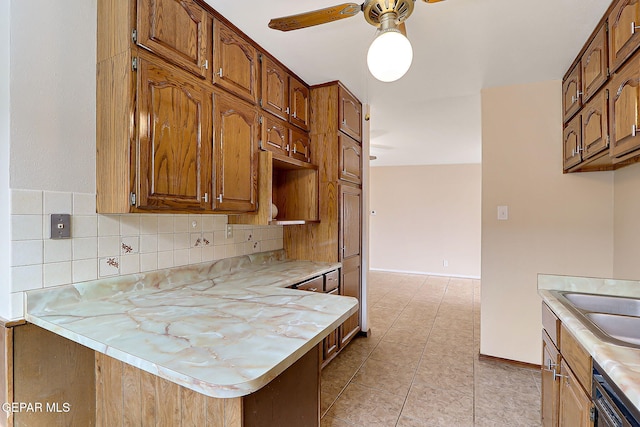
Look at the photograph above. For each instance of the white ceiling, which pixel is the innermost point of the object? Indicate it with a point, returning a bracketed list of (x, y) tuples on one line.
[(432, 114)]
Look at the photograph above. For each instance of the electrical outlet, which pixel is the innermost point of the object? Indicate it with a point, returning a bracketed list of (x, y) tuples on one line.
[(229, 231), (445, 263)]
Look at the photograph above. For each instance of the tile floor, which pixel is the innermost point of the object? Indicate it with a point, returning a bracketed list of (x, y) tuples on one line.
[(420, 366)]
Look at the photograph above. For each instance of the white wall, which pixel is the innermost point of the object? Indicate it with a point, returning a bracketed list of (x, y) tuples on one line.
[(425, 215), (627, 230), (53, 86), (5, 207), (558, 224)]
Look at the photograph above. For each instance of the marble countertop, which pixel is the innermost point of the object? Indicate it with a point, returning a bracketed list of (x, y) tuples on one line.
[(224, 329), (622, 364)]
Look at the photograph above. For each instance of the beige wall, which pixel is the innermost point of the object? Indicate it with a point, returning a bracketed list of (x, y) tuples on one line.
[(559, 224), (425, 215), (626, 239)]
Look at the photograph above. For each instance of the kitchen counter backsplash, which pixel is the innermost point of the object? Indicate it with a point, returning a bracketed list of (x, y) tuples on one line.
[(592, 285), (105, 246)]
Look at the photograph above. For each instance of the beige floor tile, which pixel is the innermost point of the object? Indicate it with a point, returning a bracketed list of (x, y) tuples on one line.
[(390, 376), (424, 345), (367, 407)]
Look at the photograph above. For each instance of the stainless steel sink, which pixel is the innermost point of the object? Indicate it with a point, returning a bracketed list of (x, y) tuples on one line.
[(613, 319), (623, 328), (604, 303)]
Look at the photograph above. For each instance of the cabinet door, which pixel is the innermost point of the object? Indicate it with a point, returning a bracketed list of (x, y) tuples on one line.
[(275, 135), (236, 138), (572, 143), (594, 65), (350, 114), (595, 128), (179, 31), (235, 63), (350, 241), (571, 93), (174, 138), (624, 36), (312, 285), (350, 161), (624, 108), (275, 88), (299, 102), (575, 404), (550, 384), (300, 145)]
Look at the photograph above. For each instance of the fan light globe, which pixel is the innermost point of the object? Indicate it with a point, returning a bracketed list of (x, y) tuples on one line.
[(389, 56)]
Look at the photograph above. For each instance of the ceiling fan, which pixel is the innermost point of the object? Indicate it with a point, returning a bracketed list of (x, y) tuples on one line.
[(390, 54)]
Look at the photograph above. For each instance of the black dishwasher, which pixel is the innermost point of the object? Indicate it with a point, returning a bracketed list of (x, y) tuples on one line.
[(612, 407)]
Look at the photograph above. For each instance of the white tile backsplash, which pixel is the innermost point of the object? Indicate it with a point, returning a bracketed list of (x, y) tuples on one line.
[(57, 203), (26, 252), (57, 273), (95, 249), (26, 227), (26, 202)]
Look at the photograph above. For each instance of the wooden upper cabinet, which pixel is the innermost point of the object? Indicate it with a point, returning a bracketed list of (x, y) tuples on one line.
[(275, 88), (300, 148), (594, 65), (624, 109), (235, 63), (275, 135), (624, 32), (350, 160), (236, 137), (571, 93), (572, 143), (174, 138), (595, 126), (349, 114), (179, 31), (299, 103)]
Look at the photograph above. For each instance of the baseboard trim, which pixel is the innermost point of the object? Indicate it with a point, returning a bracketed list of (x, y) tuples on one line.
[(487, 358), (425, 273)]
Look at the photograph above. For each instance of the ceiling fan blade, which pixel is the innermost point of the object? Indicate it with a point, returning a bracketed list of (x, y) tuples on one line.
[(317, 17), (403, 28)]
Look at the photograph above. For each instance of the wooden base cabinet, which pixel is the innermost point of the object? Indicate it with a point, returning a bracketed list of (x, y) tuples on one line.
[(566, 377)]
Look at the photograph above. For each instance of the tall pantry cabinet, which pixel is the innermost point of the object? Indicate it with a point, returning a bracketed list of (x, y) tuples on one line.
[(336, 138)]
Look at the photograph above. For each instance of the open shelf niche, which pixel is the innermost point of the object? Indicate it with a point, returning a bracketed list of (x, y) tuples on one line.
[(292, 185)]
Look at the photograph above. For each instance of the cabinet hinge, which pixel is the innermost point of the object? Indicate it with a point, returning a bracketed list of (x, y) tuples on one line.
[(608, 140), (134, 63), (260, 102), (259, 57), (260, 117), (132, 199), (134, 35), (260, 145), (592, 413)]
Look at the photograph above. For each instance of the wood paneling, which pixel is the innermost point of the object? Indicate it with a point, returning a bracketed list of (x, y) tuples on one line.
[(275, 135), (263, 214), (50, 369), (572, 143), (551, 324), (295, 193), (595, 126), (275, 88), (575, 404), (624, 108), (6, 371), (300, 148), (128, 396), (350, 161), (350, 114), (299, 103)]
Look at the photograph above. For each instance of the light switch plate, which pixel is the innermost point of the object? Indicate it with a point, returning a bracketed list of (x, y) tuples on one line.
[(60, 226), (503, 213)]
